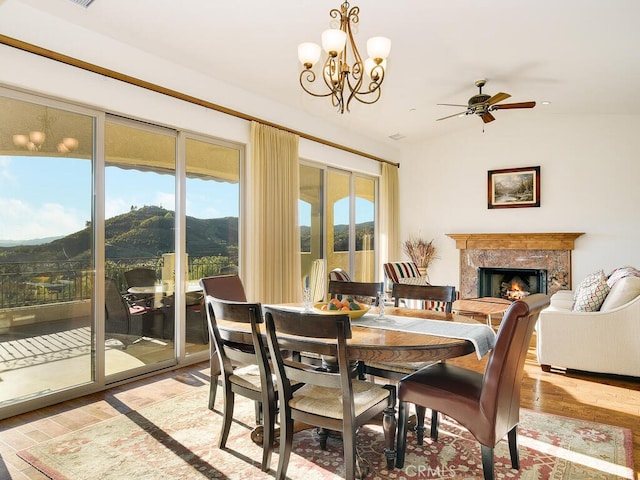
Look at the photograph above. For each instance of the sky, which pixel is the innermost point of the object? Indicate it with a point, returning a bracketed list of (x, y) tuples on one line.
[(43, 197)]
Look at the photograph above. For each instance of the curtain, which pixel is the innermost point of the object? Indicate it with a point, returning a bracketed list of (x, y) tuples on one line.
[(389, 215), (272, 273)]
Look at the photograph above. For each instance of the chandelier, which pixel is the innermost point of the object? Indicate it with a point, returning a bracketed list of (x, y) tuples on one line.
[(345, 75), (34, 141)]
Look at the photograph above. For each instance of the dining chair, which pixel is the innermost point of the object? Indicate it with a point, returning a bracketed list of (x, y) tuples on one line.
[(141, 277), (487, 404), (329, 400), (244, 367), (225, 287), (434, 297), (366, 292)]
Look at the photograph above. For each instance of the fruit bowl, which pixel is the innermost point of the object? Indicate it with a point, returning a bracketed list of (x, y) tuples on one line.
[(353, 314)]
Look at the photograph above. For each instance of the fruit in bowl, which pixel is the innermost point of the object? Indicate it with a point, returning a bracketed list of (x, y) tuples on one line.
[(348, 305)]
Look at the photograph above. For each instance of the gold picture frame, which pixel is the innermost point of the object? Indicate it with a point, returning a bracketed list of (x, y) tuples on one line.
[(514, 187)]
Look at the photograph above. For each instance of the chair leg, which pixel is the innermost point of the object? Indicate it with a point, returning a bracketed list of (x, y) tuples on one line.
[(403, 418), (213, 389), (419, 428), (229, 397), (435, 419), (513, 447), (487, 462), (268, 414), (214, 373), (390, 427), (286, 442), (323, 435)]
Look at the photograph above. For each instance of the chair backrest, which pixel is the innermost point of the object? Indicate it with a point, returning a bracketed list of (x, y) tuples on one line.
[(396, 271), (230, 352), (140, 277), (316, 280), (225, 287), (117, 315), (339, 275), (500, 396), (368, 290), (280, 321), (435, 297)]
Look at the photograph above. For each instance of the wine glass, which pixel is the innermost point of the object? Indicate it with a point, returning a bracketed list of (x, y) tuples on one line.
[(382, 298), (306, 295)]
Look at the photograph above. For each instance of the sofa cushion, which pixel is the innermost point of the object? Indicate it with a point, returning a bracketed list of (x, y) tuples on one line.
[(622, 292), (591, 293)]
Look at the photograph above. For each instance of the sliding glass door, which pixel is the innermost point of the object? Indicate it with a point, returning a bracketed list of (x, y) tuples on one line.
[(46, 249)]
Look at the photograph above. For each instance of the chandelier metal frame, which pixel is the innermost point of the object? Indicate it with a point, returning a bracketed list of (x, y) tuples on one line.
[(346, 68)]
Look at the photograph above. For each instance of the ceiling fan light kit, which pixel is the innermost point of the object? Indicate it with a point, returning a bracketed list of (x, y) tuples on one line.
[(345, 74), (482, 104)]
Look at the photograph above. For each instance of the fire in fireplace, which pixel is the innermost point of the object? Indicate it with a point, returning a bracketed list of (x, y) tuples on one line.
[(511, 283)]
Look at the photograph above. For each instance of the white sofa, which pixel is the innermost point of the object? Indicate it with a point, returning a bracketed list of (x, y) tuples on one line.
[(604, 341)]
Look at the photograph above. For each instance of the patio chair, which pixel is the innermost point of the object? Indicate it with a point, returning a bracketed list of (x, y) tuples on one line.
[(488, 404), (331, 401)]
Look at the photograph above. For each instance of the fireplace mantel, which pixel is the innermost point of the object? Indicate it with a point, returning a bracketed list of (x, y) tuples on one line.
[(515, 241), (548, 251)]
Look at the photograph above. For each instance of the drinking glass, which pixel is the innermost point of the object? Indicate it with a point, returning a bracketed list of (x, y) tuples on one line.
[(382, 298)]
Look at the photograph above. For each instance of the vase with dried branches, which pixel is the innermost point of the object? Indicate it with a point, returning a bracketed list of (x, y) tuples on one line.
[(421, 252)]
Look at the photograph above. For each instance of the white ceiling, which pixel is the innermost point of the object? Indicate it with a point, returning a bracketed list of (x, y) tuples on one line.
[(580, 55)]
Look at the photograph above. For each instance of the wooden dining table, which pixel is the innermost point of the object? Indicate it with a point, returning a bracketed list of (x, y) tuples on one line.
[(370, 344)]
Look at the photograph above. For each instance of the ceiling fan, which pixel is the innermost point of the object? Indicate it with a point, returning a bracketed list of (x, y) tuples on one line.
[(483, 104)]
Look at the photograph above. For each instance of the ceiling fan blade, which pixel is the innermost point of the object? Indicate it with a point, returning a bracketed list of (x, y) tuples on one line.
[(498, 97), (451, 104), (459, 114), (487, 117), (514, 105)]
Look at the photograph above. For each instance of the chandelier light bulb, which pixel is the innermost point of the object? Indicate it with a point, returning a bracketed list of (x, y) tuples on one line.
[(70, 142), (37, 137), (20, 140), (333, 41), (309, 53), (378, 47)]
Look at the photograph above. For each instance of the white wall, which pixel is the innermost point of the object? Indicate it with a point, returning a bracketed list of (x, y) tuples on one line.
[(590, 175)]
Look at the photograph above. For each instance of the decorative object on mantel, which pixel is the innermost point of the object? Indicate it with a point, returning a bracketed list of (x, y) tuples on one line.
[(514, 188), (344, 67), (421, 252)]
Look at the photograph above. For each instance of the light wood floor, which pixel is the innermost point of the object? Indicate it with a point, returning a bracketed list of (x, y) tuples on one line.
[(599, 398)]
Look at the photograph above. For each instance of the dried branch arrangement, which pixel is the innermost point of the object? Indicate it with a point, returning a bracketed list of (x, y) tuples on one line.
[(419, 251)]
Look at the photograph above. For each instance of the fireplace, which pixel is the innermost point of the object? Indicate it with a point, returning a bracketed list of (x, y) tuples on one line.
[(511, 283)]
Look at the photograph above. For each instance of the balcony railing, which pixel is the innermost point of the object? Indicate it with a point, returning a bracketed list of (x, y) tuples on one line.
[(37, 283)]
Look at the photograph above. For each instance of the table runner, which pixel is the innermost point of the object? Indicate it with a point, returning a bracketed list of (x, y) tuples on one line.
[(482, 336)]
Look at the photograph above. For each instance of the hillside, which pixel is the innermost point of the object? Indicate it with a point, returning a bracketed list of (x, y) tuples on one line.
[(143, 232)]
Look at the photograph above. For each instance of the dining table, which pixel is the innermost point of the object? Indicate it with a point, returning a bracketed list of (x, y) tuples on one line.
[(400, 335)]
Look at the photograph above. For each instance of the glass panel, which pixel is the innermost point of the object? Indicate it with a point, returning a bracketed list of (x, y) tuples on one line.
[(310, 217), (212, 210), (339, 211), (365, 228), (46, 254), (139, 246)]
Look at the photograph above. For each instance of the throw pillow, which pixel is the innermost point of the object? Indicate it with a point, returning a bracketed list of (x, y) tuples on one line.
[(591, 293), (624, 290), (622, 272), (415, 281)]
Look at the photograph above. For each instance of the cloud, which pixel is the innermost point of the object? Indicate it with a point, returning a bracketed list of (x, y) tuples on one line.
[(22, 221)]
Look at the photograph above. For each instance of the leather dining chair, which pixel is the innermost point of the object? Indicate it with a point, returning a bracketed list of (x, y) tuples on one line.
[(331, 401), (245, 369), (225, 287), (487, 404)]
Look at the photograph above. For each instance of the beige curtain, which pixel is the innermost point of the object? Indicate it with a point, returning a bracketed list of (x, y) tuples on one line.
[(389, 215), (272, 274)]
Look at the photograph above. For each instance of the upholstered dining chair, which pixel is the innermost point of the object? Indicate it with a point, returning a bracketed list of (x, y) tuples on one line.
[(225, 287), (488, 404), (244, 367), (331, 401)]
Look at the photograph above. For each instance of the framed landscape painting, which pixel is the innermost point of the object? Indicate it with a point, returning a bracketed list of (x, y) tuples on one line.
[(514, 187)]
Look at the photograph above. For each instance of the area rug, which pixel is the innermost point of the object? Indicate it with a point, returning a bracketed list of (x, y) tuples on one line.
[(177, 439)]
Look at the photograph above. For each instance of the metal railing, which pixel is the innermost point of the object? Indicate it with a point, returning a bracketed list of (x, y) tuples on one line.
[(37, 283)]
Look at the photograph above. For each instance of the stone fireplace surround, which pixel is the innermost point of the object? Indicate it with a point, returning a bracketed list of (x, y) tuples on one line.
[(547, 251)]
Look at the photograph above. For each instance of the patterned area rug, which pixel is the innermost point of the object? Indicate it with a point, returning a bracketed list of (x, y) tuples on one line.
[(177, 438)]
